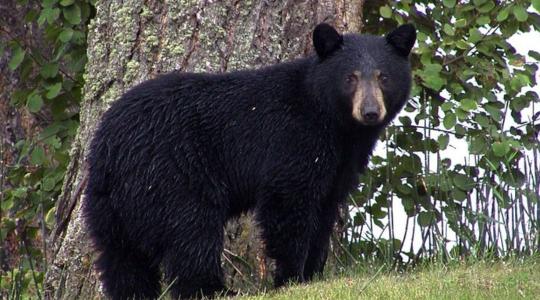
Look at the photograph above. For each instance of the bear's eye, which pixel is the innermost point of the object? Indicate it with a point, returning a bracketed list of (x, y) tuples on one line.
[(351, 79), (383, 78)]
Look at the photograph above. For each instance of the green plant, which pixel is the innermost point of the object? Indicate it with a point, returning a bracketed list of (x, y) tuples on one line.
[(52, 71), (471, 89)]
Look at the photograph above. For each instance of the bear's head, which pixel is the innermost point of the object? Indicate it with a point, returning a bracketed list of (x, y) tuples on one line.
[(368, 78)]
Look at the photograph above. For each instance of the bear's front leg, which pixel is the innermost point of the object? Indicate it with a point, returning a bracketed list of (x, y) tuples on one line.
[(287, 227)]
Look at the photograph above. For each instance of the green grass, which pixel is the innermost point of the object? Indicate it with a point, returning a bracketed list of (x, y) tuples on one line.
[(516, 279)]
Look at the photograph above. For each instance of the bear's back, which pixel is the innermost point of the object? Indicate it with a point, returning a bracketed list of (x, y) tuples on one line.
[(202, 123)]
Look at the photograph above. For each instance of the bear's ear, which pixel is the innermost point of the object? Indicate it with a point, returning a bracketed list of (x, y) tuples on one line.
[(326, 40), (402, 38)]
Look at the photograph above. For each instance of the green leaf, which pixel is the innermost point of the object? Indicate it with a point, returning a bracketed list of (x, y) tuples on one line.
[(479, 2), (520, 13), (48, 3), (49, 70), (65, 35), (406, 121), (468, 104), (53, 141), (500, 149), (486, 7), (404, 189), (72, 14), (49, 218), (483, 20), (38, 156), (449, 120), (460, 131), (515, 178), (449, 3), (48, 14), (426, 218), (34, 102), (477, 145), (519, 81), (463, 182), (461, 23), (409, 206), (448, 29), (503, 14), (446, 106), (376, 211), (7, 204), (31, 16), (482, 120), (48, 183), (433, 68), (459, 195), (494, 111), (536, 5), (50, 130), (431, 75), (443, 140), (20, 192), (66, 2), (53, 90), (18, 97), (461, 114), (435, 82), (474, 35), (16, 58), (534, 54), (385, 11)]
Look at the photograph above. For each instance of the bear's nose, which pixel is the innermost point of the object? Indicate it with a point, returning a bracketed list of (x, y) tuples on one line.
[(370, 115)]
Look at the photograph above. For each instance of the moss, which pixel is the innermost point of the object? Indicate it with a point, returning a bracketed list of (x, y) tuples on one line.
[(111, 94), (99, 51), (146, 13), (132, 69), (124, 18), (177, 50), (152, 41)]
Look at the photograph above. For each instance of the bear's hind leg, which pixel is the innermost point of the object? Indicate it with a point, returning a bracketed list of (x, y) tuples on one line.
[(286, 230), (192, 264), (318, 249), (128, 274)]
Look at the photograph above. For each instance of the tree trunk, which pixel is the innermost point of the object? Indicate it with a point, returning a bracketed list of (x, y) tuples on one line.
[(133, 40)]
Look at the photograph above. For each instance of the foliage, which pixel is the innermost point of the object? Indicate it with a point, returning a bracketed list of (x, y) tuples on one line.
[(472, 90), (52, 69)]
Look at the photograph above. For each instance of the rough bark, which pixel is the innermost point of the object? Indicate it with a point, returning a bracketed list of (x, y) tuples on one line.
[(133, 40)]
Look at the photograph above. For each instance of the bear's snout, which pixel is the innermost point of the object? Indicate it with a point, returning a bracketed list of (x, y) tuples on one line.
[(368, 103), (370, 114)]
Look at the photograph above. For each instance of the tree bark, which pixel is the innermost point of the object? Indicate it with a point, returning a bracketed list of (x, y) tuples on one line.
[(133, 40)]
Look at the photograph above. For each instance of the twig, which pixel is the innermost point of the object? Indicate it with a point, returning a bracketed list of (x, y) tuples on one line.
[(25, 244), (371, 279)]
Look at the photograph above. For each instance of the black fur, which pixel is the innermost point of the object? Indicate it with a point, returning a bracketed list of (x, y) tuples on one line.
[(326, 40), (403, 39), (177, 156)]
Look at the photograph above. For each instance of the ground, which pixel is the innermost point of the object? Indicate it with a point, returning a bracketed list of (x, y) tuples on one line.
[(512, 279)]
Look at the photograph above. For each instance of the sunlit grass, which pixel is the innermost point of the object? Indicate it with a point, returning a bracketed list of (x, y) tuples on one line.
[(516, 279)]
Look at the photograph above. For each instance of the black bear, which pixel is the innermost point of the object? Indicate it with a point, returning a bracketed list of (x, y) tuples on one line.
[(177, 156)]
